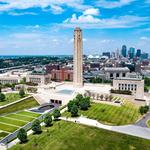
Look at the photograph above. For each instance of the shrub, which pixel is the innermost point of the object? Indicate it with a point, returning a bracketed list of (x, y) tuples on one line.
[(2, 97), (74, 110), (48, 119), (22, 135), (56, 114), (143, 109), (69, 105), (36, 127), (21, 93)]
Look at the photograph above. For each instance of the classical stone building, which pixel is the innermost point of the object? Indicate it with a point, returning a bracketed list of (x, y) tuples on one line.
[(135, 85), (39, 77), (115, 72), (78, 56)]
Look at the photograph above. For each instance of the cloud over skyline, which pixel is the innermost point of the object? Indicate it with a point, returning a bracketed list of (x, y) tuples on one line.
[(49, 24)]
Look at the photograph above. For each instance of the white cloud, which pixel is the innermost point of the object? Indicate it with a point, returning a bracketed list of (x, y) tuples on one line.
[(21, 13), (144, 38), (92, 11), (55, 5), (113, 4), (82, 19), (90, 21), (56, 9)]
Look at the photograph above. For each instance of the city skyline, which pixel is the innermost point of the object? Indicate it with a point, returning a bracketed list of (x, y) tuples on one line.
[(46, 27)]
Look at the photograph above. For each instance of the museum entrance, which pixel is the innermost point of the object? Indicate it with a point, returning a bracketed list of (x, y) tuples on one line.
[(56, 101)]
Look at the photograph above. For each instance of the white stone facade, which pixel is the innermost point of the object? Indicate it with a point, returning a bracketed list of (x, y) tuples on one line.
[(9, 80), (113, 73), (39, 78), (135, 85)]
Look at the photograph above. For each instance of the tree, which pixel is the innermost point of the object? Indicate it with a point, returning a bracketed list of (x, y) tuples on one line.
[(143, 109), (48, 119), (21, 93), (74, 110), (69, 105), (56, 114), (101, 97), (2, 97), (106, 97), (78, 98), (88, 100), (36, 127), (22, 135), (0, 89), (13, 86), (110, 97), (83, 104)]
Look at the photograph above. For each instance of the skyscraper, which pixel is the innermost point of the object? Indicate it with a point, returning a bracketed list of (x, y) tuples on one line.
[(138, 53), (131, 52), (78, 56), (124, 51)]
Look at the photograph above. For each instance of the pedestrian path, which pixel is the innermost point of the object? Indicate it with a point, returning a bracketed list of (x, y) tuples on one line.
[(142, 122), (133, 130)]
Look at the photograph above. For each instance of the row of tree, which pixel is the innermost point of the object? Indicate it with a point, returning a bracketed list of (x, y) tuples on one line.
[(36, 125), (80, 102)]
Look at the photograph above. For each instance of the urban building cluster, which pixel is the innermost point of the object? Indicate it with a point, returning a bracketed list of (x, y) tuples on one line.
[(125, 69)]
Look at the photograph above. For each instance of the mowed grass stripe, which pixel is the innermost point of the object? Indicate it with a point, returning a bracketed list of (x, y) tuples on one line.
[(29, 113), (115, 115), (24, 118), (7, 128), (22, 115), (3, 134), (12, 121), (71, 136), (15, 119)]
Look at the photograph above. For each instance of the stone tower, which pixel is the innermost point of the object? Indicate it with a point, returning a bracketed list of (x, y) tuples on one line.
[(78, 56)]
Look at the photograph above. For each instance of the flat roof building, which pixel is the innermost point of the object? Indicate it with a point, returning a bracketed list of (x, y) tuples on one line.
[(135, 85), (115, 72), (39, 77)]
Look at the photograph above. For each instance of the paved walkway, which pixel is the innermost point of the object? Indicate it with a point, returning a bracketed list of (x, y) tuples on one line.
[(142, 122), (133, 130)]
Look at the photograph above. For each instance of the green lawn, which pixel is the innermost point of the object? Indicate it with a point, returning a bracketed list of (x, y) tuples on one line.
[(28, 103), (148, 123), (108, 114), (11, 97), (12, 121), (8, 128), (23, 118), (3, 134), (71, 136), (29, 113)]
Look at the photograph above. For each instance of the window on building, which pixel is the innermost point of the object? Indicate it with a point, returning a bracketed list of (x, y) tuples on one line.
[(117, 75), (123, 74)]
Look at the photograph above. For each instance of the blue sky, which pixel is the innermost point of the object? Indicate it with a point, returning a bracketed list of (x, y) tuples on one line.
[(45, 27)]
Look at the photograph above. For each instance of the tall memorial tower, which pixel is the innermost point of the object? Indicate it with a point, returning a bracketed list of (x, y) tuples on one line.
[(78, 56)]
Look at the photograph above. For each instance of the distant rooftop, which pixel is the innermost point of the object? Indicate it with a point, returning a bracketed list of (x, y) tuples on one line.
[(116, 69), (132, 79), (38, 72)]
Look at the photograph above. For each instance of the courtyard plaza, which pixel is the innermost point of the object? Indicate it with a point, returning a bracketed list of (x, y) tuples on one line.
[(62, 93)]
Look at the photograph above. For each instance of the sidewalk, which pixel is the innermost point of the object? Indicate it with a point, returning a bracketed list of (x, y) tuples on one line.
[(133, 130)]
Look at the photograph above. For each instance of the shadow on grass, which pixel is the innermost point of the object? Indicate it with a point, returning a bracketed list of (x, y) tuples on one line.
[(73, 116), (36, 133), (49, 125), (23, 142)]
